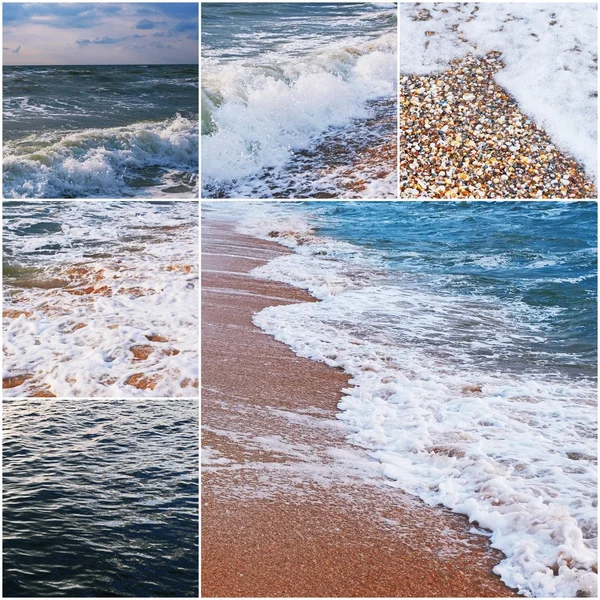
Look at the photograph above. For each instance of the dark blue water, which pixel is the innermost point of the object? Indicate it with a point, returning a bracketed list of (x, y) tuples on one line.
[(100, 498), (68, 98), (536, 259), (104, 131)]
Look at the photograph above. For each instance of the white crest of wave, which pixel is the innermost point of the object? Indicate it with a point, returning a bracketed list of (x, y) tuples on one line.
[(259, 114), (92, 161)]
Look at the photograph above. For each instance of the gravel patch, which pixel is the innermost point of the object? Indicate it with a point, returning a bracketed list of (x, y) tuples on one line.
[(463, 136)]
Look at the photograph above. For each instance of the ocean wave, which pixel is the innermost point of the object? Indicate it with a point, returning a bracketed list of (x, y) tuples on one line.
[(514, 450), (98, 162), (255, 115)]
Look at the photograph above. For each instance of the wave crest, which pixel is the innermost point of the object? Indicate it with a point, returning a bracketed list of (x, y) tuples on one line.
[(99, 162)]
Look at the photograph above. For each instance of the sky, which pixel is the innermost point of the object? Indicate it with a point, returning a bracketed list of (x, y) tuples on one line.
[(100, 34)]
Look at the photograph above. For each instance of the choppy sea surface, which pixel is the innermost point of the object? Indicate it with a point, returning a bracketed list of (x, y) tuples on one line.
[(469, 331), (100, 131), (299, 100), (100, 498), (100, 298)]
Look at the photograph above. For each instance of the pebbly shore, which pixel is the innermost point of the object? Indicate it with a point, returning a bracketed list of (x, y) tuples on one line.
[(464, 136)]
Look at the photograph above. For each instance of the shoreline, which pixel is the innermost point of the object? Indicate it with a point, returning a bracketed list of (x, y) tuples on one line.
[(471, 153), (88, 320), (353, 161), (289, 507)]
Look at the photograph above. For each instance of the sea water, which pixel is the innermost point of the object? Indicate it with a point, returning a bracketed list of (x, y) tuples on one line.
[(104, 131), (100, 498), (469, 332), (293, 95), (84, 282)]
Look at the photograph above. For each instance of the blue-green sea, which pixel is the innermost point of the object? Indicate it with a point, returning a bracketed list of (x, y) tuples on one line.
[(469, 334)]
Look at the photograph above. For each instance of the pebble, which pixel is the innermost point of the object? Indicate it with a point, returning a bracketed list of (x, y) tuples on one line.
[(463, 136)]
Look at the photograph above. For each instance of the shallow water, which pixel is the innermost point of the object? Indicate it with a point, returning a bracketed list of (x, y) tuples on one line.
[(87, 282), (104, 131), (286, 80), (100, 498), (469, 331)]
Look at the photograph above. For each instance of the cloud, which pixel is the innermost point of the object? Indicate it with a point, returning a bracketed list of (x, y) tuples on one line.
[(87, 15), (62, 16), (100, 33), (146, 24), (186, 26), (175, 10), (108, 40), (160, 45)]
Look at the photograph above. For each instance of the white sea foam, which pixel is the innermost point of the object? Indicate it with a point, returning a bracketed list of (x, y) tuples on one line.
[(514, 450), (256, 115), (141, 253), (550, 53), (97, 162)]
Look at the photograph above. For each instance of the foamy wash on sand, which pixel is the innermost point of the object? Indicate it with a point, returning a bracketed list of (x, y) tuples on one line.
[(469, 331), (293, 97), (100, 299), (100, 131)]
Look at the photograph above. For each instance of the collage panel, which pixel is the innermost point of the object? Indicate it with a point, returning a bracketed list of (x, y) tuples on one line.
[(393, 390), (100, 277), (100, 100), (100, 498), (498, 100), (100, 299), (299, 100), (397, 389)]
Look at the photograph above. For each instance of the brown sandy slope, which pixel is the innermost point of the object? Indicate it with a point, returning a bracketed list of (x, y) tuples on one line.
[(289, 508)]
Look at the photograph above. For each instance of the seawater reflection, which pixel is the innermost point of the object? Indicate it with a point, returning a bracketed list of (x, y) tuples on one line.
[(100, 497)]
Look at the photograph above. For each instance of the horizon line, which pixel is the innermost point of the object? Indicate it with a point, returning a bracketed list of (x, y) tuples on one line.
[(105, 65)]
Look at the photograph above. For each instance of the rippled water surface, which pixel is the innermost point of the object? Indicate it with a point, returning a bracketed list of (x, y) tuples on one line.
[(100, 498)]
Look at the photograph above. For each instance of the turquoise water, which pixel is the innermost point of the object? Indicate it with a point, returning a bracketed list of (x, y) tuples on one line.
[(469, 334), (538, 260), (238, 30)]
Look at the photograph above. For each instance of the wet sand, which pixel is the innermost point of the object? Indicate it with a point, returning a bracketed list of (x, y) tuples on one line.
[(289, 508)]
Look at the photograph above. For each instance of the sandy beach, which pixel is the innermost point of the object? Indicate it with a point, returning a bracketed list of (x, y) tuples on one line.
[(289, 508)]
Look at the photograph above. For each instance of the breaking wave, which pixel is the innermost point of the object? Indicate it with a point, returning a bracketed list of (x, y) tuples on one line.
[(128, 161)]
